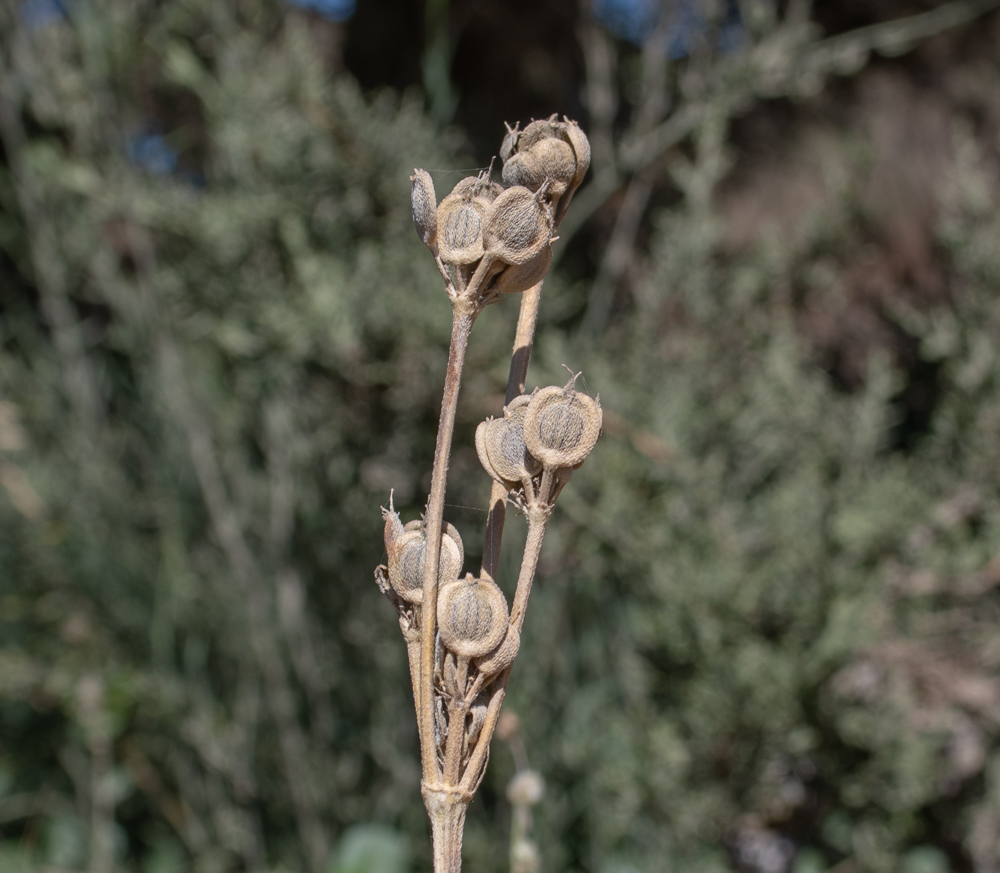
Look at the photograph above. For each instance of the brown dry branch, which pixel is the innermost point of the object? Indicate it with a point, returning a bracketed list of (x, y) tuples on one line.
[(461, 639)]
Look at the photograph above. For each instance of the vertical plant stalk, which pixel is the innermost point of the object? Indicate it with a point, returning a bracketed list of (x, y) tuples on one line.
[(523, 340), (463, 317)]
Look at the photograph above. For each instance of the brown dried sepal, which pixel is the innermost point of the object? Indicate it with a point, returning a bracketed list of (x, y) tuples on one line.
[(472, 616), (561, 425), (501, 448), (407, 548)]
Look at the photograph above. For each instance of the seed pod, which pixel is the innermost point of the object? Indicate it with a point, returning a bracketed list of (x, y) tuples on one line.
[(472, 616), (561, 426), (501, 441), (518, 226), (502, 656), (557, 162), (535, 132), (408, 560), (460, 223), (581, 149), (424, 204), (515, 279), (524, 169)]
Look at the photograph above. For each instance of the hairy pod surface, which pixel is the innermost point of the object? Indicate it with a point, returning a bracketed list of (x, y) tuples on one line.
[(424, 204), (472, 616), (557, 162), (502, 441), (460, 222), (518, 226), (561, 426), (502, 656), (581, 149), (524, 169), (408, 560), (520, 277)]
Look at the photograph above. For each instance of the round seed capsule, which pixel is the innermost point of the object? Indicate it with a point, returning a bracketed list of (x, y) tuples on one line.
[(524, 169), (503, 443), (460, 227), (408, 560), (424, 204), (515, 279), (557, 162), (472, 616), (561, 426), (518, 226), (547, 128)]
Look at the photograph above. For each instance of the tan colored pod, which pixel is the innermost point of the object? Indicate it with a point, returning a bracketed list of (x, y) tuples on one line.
[(408, 560), (518, 226), (424, 203), (558, 164), (524, 169), (581, 149), (484, 457), (503, 440), (460, 229), (561, 426), (517, 278), (472, 616), (502, 656), (547, 128)]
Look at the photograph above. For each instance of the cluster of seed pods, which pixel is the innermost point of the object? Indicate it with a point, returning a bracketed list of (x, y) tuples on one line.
[(461, 634), (551, 430), (507, 229)]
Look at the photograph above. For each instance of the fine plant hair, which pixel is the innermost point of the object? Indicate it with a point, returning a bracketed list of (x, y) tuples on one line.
[(461, 638)]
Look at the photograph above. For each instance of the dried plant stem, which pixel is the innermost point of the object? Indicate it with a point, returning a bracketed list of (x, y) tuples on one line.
[(446, 809), (538, 518), (463, 317), (523, 340)]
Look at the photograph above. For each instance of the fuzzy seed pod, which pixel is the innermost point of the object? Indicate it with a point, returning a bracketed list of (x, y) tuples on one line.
[(472, 616), (581, 149), (547, 128), (557, 162), (502, 656), (408, 560), (524, 169), (460, 222), (500, 445), (515, 279), (518, 226), (424, 204), (561, 426)]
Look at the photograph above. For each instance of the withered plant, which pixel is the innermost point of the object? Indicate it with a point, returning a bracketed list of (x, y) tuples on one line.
[(461, 638)]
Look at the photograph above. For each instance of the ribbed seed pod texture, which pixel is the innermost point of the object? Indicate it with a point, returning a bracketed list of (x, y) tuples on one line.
[(503, 443), (518, 226), (472, 616), (561, 426), (408, 560), (424, 204)]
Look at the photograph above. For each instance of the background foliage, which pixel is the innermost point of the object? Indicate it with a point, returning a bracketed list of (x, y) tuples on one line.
[(764, 635)]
